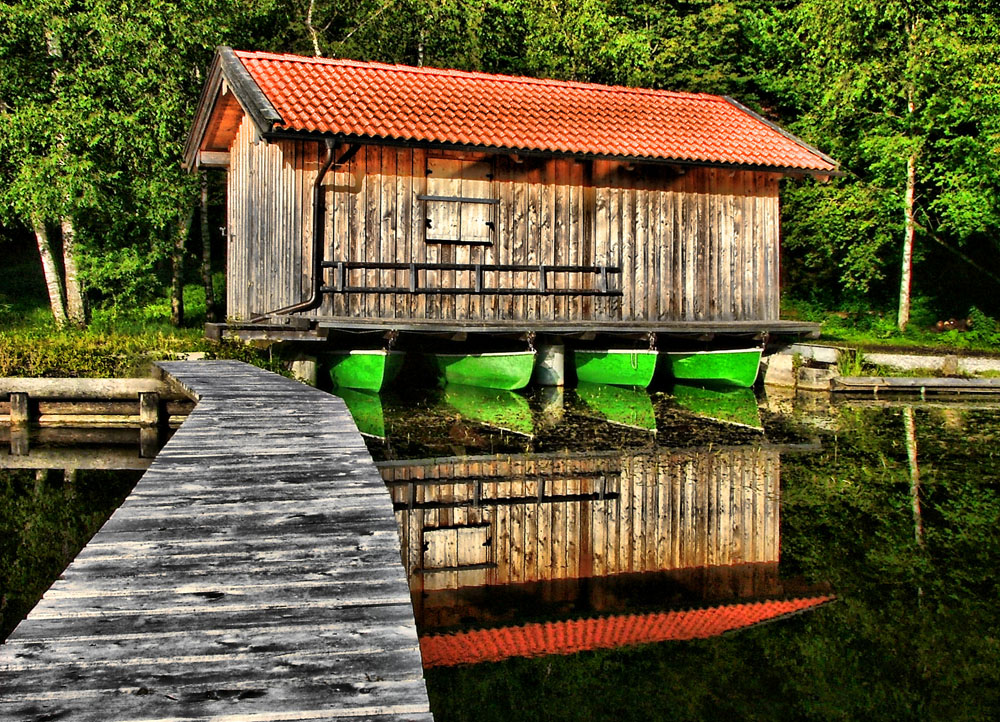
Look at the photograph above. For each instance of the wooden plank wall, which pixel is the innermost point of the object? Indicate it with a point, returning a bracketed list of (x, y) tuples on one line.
[(696, 245), (663, 511), (270, 221)]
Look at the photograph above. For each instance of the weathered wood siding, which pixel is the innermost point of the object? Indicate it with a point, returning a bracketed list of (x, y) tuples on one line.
[(513, 520), (699, 245), (270, 214)]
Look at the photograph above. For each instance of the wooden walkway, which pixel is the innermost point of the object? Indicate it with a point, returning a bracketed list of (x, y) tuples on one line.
[(254, 574)]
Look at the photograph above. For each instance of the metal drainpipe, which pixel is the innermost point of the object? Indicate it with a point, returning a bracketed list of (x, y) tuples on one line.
[(319, 241)]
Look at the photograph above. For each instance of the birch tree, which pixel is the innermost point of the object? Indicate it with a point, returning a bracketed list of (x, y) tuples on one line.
[(905, 95)]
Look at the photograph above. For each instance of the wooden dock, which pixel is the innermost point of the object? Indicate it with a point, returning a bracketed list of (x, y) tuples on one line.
[(254, 574)]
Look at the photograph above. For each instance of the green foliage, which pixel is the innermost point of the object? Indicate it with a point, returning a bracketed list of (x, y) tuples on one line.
[(879, 84), (96, 99)]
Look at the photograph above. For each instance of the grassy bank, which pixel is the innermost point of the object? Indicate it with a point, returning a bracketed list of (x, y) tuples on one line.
[(116, 343), (876, 331)]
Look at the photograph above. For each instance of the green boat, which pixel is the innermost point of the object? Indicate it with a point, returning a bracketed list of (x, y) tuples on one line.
[(499, 408), (629, 407), (366, 409), (505, 370), (621, 367), (737, 367), (363, 368), (730, 405)]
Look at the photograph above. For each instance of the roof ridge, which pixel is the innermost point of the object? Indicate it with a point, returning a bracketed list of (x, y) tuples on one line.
[(477, 74)]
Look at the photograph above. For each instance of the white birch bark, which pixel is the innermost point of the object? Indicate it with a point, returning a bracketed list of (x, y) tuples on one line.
[(52, 280), (75, 310)]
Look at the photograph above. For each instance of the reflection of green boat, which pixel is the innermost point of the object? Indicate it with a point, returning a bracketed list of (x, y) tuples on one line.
[(622, 367), (494, 407), (737, 367), (366, 408), (618, 405), (504, 370), (364, 369), (732, 405)]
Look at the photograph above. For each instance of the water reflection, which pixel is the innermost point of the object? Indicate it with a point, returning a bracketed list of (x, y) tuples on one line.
[(456, 419), (622, 405), (599, 549), (731, 405), (64, 447), (498, 408), (58, 485)]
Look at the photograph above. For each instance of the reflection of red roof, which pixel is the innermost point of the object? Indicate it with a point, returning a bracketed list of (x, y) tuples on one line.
[(399, 102), (578, 635)]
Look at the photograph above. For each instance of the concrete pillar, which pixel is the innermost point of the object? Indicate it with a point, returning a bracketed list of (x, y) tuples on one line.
[(149, 408), (305, 369), (781, 371), (550, 365), (18, 409), (552, 405)]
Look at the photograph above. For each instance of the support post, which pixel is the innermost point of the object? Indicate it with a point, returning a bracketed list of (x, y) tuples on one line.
[(19, 409), (149, 409), (149, 442), (550, 365), (19, 441)]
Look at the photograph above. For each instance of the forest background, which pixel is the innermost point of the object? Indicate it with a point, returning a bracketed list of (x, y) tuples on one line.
[(96, 98)]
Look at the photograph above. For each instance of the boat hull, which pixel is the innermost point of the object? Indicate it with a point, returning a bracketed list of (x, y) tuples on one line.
[(364, 369), (629, 407), (729, 368), (366, 410), (620, 367), (727, 404), (508, 371), (499, 408)]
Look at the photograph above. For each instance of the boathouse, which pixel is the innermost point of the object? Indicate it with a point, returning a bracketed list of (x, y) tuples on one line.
[(396, 199)]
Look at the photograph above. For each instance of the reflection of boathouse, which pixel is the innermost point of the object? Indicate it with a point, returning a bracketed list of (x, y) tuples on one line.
[(555, 554), (530, 518)]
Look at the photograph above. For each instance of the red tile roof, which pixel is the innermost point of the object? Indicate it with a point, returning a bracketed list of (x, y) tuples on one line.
[(398, 102), (569, 637)]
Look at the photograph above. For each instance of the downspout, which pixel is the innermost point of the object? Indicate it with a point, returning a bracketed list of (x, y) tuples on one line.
[(319, 240)]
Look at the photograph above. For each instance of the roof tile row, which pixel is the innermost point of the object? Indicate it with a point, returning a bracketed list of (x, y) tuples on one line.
[(569, 637), (398, 102)]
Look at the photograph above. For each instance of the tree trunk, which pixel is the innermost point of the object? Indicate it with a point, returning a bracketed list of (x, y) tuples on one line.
[(910, 425), (75, 310), (905, 280), (206, 253), (312, 31), (51, 271), (177, 271)]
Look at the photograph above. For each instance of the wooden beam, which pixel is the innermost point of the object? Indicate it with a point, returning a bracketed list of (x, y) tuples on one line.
[(80, 458), (83, 388), (213, 159)]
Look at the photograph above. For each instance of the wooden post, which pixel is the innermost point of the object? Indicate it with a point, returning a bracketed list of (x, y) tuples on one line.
[(18, 409), (19, 443), (149, 409), (149, 442)]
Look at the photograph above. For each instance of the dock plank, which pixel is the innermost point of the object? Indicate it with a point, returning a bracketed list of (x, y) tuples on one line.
[(253, 574)]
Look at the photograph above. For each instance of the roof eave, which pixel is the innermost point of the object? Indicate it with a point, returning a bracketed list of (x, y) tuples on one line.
[(442, 145), (834, 171), (227, 66)]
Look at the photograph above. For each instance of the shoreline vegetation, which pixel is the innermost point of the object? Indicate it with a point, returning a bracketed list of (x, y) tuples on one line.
[(117, 344), (122, 342)]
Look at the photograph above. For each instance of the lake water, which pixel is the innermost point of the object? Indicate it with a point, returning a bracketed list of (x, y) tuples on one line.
[(568, 562), (602, 554), (69, 482)]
